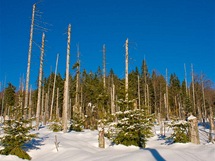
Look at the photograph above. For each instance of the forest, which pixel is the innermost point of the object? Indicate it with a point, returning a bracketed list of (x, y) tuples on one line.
[(94, 100)]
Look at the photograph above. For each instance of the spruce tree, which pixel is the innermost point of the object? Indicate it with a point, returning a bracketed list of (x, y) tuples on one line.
[(133, 128), (16, 135)]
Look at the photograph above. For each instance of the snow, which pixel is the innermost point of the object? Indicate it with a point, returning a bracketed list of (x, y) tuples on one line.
[(83, 146), (191, 117)]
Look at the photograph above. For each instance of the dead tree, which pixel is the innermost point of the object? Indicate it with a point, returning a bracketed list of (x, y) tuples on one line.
[(194, 131), (30, 104), (57, 105), (167, 97), (29, 62), (138, 84), (212, 127), (101, 138), (185, 77), (113, 109), (42, 103), (104, 65), (45, 114), (40, 84), (126, 71), (53, 90), (193, 88), (203, 97), (66, 85), (77, 96)]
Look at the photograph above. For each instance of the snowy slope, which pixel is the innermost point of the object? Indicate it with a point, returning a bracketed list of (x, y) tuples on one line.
[(83, 146)]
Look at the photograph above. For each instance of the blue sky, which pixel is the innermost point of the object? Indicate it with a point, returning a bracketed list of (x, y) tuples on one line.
[(167, 33)]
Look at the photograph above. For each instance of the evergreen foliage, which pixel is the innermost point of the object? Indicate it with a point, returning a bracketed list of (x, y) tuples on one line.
[(16, 135), (181, 132), (133, 128), (10, 95), (77, 123), (55, 126)]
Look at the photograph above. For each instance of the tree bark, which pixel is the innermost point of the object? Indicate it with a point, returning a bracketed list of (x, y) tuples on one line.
[(40, 84), (66, 85)]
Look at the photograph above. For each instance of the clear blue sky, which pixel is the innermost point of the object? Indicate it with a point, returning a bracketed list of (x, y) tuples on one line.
[(168, 33)]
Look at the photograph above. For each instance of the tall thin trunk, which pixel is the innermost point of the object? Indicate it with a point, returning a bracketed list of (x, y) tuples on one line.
[(3, 97), (203, 97), (104, 66), (185, 77), (193, 88), (212, 127), (29, 62), (42, 103), (66, 85), (113, 109), (126, 71), (30, 104), (160, 100), (138, 82), (155, 99), (167, 97), (40, 84), (46, 110), (148, 101), (145, 84), (53, 90), (57, 105), (81, 103), (77, 97)]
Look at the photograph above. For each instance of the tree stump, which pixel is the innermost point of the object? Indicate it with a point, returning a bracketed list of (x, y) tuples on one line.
[(101, 138), (194, 131)]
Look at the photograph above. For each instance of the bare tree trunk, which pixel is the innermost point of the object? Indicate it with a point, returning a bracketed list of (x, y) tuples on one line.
[(179, 110), (29, 63), (212, 127), (30, 104), (165, 105), (167, 97), (57, 105), (185, 77), (160, 101), (101, 138), (66, 85), (40, 84), (193, 88), (81, 97), (77, 96), (104, 66), (203, 97), (145, 84), (126, 71), (70, 109), (194, 132), (138, 81), (148, 100), (113, 109), (42, 104), (3, 97), (46, 110), (53, 90)]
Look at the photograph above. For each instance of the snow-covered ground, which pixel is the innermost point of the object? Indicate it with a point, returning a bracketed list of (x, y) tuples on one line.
[(83, 146)]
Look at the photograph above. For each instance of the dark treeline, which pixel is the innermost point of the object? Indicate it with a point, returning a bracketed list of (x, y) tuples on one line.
[(167, 99)]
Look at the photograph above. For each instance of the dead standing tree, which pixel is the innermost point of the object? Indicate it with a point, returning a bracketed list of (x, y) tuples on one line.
[(29, 62), (40, 84), (126, 72), (53, 90), (104, 65), (66, 85)]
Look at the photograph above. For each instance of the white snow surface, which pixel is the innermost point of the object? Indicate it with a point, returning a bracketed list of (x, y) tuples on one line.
[(83, 146), (191, 117)]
